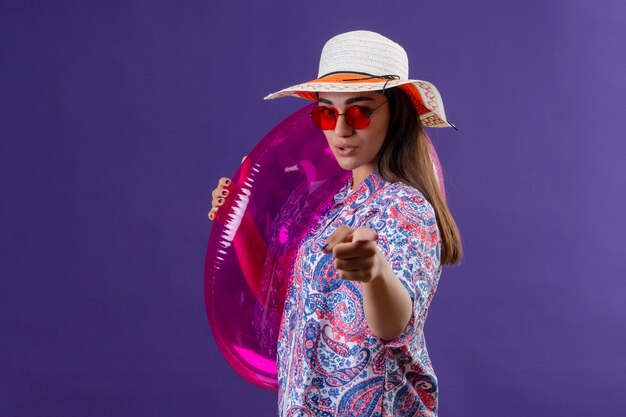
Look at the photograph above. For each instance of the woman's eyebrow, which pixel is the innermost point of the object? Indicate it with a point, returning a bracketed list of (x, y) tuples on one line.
[(348, 101)]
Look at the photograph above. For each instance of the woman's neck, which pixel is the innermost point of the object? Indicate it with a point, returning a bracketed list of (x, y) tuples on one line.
[(359, 174)]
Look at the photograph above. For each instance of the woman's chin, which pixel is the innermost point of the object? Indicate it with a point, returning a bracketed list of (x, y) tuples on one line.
[(346, 163), (348, 167)]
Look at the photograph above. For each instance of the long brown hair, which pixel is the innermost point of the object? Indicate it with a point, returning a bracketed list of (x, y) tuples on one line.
[(404, 156)]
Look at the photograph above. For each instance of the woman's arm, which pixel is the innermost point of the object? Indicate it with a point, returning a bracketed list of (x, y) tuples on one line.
[(387, 304)]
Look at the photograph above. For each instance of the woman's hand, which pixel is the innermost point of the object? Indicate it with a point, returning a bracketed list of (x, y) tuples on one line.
[(386, 302), (219, 196), (221, 192), (357, 257)]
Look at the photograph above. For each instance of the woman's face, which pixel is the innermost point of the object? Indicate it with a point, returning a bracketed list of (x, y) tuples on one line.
[(357, 149)]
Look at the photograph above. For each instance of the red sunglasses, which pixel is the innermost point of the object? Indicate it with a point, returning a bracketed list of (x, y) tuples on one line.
[(358, 117)]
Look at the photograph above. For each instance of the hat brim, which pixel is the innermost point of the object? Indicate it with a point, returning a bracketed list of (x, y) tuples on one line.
[(424, 95)]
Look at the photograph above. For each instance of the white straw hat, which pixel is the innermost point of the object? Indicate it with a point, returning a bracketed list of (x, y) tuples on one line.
[(367, 61)]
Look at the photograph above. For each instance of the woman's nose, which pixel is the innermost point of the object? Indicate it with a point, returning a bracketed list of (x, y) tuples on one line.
[(342, 128)]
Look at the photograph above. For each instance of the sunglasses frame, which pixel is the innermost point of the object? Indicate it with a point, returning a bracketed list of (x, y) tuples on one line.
[(337, 114)]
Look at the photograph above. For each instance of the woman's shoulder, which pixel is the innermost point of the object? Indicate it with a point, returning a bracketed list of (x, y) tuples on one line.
[(402, 210), (404, 198)]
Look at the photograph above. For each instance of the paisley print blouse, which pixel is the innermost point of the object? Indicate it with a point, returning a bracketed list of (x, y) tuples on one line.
[(329, 362)]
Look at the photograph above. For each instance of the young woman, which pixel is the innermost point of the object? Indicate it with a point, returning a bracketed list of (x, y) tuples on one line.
[(351, 341)]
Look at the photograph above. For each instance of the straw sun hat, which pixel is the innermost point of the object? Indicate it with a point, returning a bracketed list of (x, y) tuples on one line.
[(367, 61)]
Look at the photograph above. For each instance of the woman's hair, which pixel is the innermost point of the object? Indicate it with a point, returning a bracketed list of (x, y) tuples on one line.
[(404, 156)]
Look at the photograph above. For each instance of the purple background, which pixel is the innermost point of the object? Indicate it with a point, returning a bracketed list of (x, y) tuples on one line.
[(118, 117)]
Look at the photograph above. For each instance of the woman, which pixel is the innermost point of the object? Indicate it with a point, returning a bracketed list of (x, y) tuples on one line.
[(351, 339)]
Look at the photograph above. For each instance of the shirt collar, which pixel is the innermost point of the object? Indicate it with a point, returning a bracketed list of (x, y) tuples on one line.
[(363, 191)]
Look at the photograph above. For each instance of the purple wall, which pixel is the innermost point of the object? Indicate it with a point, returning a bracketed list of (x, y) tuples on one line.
[(118, 117)]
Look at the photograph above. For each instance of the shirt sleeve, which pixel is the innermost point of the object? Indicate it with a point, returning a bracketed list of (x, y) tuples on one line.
[(409, 239)]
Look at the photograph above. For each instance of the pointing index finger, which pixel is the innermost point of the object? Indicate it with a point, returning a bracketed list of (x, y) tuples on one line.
[(364, 234)]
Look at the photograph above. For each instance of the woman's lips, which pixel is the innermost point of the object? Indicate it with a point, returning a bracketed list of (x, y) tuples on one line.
[(346, 150)]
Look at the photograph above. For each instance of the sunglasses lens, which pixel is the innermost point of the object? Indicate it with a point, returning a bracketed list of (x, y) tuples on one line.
[(358, 117), (324, 117)]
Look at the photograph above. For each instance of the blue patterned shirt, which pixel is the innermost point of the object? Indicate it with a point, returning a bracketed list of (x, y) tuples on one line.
[(329, 361)]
